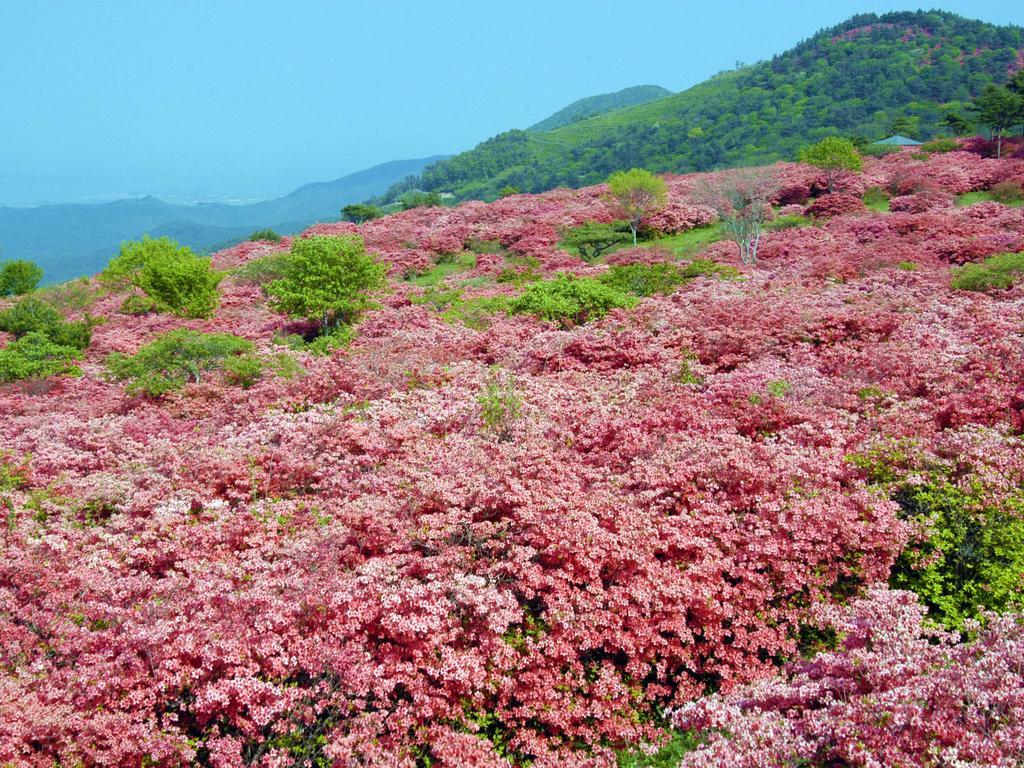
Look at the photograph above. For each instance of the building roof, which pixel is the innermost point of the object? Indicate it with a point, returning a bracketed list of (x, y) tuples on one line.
[(899, 141)]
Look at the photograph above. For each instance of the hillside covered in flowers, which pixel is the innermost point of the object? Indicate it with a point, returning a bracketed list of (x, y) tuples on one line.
[(764, 514)]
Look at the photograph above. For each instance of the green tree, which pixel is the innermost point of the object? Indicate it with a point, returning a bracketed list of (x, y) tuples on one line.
[(19, 277), (835, 156), (416, 198), (638, 193), (906, 125), (957, 123), (32, 315), (360, 212), (264, 235), (508, 190), (592, 238), (173, 276), (178, 357), (328, 280), (998, 109)]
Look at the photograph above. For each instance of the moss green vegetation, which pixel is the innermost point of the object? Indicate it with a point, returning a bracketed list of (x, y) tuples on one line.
[(756, 114), (265, 235), (876, 199), (649, 279), (997, 272), (666, 756), (970, 198), (688, 244)]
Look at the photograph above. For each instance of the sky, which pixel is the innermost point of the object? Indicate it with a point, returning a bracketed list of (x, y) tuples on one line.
[(216, 99)]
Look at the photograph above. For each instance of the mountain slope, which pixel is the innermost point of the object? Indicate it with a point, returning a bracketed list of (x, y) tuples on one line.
[(69, 240), (852, 79), (601, 104)]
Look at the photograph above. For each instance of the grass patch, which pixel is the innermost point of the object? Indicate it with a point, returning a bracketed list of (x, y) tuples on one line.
[(970, 198), (997, 272), (668, 756), (445, 267), (876, 199), (686, 245)]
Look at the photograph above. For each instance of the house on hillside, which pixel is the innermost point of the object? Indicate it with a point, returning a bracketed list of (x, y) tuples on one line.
[(896, 141)]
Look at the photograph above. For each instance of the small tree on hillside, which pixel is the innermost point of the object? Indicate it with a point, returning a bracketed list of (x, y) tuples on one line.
[(742, 200), (998, 109), (592, 238), (957, 123), (638, 193), (357, 213), (327, 280), (835, 156), (19, 277)]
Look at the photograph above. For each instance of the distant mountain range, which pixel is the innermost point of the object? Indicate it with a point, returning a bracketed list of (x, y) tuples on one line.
[(854, 79), (601, 104), (76, 239)]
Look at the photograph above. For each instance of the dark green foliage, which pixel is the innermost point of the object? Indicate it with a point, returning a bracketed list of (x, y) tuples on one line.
[(243, 370), (905, 125), (265, 235), (853, 79), (591, 239), (327, 280), (508, 191), (176, 358), (173, 276), (36, 356), (957, 123), (18, 277), (415, 198), (996, 272), (360, 212), (33, 315), (940, 145), (971, 557), (569, 300)]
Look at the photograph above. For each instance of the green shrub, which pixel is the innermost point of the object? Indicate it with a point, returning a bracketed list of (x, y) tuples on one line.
[(591, 239), (644, 279), (13, 474), (446, 265), (33, 315), (261, 270), (668, 755), (569, 300), (19, 277), (908, 266), (326, 343), (972, 556), (500, 405), (476, 313), (940, 145), (174, 359), (417, 199), (243, 370), (173, 276), (137, 305), (327, 280), (72, 296), (878, 150), (996, 272), (788, 222), (36, 356), (265, 235)]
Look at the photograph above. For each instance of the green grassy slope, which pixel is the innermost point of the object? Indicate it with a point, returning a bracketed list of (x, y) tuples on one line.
[(854, 79)]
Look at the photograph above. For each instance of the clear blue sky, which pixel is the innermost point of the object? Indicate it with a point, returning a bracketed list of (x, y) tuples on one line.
[(233, 96)]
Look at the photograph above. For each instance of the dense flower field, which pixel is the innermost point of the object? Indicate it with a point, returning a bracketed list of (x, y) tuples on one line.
[(354, 566)]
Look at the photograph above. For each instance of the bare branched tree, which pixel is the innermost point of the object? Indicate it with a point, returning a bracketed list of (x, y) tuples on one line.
[(742, 200)]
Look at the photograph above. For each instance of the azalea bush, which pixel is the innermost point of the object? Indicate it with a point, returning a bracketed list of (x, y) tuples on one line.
[(569, 300)]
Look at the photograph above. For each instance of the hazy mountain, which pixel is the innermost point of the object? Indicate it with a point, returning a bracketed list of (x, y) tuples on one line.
[(75, 239)]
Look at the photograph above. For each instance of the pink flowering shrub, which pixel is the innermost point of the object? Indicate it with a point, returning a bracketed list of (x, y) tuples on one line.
[(892, 693), (347, 563), (835, 204)]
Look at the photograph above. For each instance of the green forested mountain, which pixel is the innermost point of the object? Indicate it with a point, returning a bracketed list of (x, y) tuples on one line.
[(854, 79), (581, 109)]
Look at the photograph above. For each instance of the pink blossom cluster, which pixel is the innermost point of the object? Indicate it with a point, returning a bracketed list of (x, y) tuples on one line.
[(893, 692), (353, 560)]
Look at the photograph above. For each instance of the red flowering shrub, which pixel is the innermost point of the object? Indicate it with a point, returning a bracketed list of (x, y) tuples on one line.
[(836, 204), (892, 693), (349, 562), (921, 202)]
